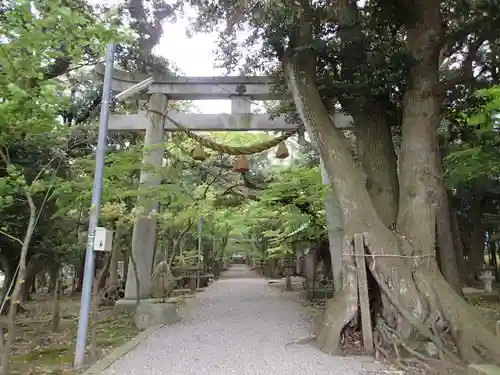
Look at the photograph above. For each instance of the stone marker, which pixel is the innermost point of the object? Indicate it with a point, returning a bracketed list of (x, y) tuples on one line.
[(151, 314)]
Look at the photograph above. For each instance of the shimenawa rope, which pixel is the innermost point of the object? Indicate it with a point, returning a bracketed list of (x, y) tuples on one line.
[(226, 149)]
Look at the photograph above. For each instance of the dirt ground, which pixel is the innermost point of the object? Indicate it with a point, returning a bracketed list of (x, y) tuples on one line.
[(488, 303), (38, 351)]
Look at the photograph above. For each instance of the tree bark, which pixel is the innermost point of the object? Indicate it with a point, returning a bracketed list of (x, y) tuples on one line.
[(7, 270), (31, 271), (56, 304), (418, 174), (372, 124), (378, 158), (159, 253), (494, 246), (113, 267), (475, 258), (415, 297), (447, 254), (103, 275), (53, 278), (126, 261), (11, 319), (96, 299), (459, 246), (81, 271)]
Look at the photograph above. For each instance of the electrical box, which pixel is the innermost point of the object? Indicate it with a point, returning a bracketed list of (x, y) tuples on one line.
[(103, 239)]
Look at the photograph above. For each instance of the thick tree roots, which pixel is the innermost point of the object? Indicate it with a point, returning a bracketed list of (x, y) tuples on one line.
[(343, 308), (421, 321)]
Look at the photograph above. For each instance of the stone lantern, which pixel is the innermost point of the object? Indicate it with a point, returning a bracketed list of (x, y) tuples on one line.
[(487, 276)]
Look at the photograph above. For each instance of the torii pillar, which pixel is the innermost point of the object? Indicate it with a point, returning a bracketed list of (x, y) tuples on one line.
[(144, 233)]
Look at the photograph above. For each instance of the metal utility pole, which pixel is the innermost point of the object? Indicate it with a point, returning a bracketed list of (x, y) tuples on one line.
[(200, 241), (88, 275)]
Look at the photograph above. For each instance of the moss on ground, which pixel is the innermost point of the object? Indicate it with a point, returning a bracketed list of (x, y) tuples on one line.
[(488, 303), (38, 351)]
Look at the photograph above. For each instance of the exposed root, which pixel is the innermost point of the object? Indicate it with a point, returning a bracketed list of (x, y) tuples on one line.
[(473, 340), (301, 341), (342, 308), (403, 355), (419, 309)]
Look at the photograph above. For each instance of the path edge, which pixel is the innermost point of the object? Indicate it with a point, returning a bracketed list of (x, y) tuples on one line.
[(100, 366)]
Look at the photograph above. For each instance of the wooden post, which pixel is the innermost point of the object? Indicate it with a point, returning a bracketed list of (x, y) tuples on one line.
[(497, 326), (364, 302)]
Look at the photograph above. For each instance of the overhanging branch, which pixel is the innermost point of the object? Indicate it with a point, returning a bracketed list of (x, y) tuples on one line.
[(466, 73)]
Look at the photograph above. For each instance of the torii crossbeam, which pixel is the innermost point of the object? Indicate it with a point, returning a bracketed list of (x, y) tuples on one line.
[(242, 91)]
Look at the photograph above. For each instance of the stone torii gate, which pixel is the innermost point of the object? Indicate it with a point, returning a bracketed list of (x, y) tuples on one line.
[(242, 91)]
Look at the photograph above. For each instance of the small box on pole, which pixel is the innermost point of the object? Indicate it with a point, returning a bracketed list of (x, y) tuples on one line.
[(103, 239)]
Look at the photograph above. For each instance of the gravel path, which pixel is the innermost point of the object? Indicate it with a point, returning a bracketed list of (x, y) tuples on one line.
[(237, 326)]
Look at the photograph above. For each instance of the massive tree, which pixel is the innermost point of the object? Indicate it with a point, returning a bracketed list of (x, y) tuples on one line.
[(384, 64)]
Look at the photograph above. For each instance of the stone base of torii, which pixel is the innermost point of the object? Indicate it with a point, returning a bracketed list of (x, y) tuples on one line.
[(242, 91)]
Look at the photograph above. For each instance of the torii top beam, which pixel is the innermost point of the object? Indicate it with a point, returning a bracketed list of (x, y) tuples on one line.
[(241, 90), (197, 88)]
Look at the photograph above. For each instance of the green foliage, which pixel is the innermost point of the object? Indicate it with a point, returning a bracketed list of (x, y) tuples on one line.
[(40, 41), (289, 211), (476, 158)]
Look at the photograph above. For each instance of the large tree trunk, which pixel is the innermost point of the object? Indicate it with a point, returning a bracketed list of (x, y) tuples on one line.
[(371, 117), (447, 254), (80, 272), (378, 158), (459, 246), (475, 258), (31, 271), (417, 301)]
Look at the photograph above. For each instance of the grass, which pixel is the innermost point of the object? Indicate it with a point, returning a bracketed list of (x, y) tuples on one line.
[(38, 351)]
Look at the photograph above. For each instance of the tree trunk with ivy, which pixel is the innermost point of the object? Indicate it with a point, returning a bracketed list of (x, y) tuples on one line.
[(417, 303)]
